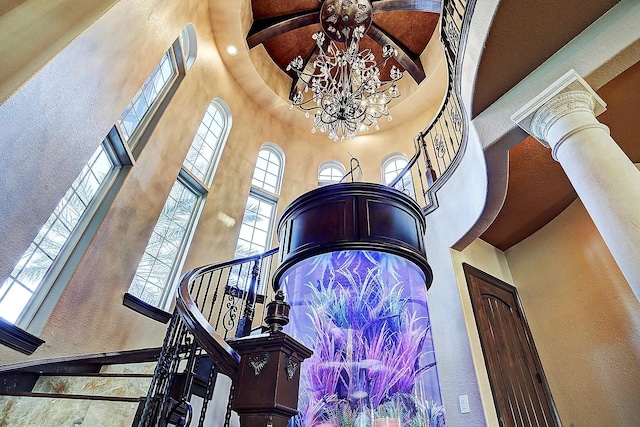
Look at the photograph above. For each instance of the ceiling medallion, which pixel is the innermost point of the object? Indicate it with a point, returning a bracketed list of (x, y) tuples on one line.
[(348, 94)]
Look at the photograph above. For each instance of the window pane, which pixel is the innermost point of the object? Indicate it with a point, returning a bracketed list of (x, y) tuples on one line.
[(331, 171), (13, 303), (154, 273), (268, 173), (391, 170), (206, 146), (29, 273), (147, 96), (256, 226), (261, 164)]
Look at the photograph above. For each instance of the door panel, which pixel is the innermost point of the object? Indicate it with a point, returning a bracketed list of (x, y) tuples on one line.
[(520, 390)]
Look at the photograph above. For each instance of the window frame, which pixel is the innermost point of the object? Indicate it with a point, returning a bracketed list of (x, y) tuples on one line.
[(192, 184), (267, 197), (21, 334), (55, 280), (136, 142), (201, 189), (277, 151), (189, 45), (386, 162), (270, 199), (330, 164)]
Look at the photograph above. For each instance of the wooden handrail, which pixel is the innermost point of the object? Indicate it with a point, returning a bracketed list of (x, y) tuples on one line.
[(227, 358)]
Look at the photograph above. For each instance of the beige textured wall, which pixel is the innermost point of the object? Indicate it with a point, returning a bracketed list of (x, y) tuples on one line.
[(584, 319), (56, 119), (28, 43)]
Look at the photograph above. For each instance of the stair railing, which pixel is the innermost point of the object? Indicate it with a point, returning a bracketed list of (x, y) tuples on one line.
[(214, 302), (441, 144)]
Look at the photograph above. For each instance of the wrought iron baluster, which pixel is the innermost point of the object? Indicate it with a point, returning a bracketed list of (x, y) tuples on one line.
[(215, 297), (227, 415), (211, 383), (206, 291), (246, 322)]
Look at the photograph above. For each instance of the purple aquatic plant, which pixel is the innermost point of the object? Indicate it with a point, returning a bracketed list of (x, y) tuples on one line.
[(368, 341)]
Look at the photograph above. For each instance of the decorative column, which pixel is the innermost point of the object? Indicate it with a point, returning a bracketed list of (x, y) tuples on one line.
[(563, 118)]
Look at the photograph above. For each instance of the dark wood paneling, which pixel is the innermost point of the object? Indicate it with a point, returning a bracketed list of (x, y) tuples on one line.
[(383, 216), (352, 216)]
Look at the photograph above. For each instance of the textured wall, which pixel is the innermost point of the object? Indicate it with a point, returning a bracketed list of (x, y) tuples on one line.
[(584, 319)]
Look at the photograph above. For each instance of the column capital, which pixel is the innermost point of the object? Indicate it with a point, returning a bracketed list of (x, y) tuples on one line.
[(570, 93), (557, 107)]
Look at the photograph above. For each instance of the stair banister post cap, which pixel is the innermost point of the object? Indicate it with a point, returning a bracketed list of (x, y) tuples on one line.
[(277, 312)]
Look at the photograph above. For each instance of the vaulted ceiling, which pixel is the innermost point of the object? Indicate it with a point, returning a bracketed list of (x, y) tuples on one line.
[(524, 34), (285, 30)]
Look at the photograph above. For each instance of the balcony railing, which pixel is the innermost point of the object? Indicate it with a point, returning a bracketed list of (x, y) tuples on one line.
[(440, 145)]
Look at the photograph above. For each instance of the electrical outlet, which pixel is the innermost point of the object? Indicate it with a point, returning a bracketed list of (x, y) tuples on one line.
[(464, 404)]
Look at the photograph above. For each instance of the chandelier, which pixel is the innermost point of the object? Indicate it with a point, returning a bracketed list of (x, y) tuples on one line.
[(344, 88)]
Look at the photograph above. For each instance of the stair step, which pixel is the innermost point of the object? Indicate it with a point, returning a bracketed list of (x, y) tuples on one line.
[(70, 396), (101, 375), (35, 411), (93, 385), (130, 368)]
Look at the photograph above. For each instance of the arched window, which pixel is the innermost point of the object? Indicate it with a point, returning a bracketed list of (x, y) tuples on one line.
[(135, 122), (256, 231), (330, 171), (269, 167), (62, 235), (37, 281), (206, 148), (189, 45), (164, 255), (392, 165)]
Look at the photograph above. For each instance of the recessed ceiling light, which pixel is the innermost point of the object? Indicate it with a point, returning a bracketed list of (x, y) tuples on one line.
[(232, 50)]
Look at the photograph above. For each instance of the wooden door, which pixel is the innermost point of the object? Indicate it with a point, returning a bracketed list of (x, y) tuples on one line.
[(520, 390)]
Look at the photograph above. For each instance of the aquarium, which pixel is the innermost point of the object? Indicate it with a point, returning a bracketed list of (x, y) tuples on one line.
[(365, 316)]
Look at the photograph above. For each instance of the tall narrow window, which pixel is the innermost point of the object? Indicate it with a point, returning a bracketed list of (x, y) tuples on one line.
[(168, 240), (156, 84), (164, 255), (330, 172), (189, 46), (135, 122), (391, 167), (38, 268), (29, 294), (257, 226)]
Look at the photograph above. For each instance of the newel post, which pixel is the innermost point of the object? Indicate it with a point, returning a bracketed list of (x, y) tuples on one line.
[(266, 391)]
